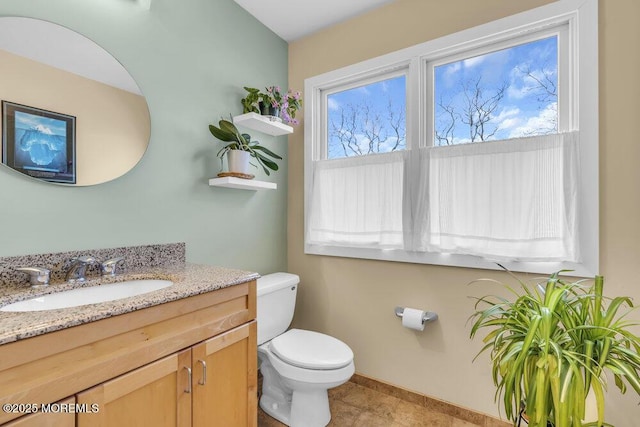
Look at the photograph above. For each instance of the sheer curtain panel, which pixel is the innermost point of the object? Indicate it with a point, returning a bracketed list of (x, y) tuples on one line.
[(357, 202), (505, 200)]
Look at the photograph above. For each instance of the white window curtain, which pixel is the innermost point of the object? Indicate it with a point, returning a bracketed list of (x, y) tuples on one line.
[(510, 200), (505, 200), (357, 202)]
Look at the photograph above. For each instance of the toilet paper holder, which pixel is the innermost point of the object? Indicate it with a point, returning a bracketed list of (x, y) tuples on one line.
[(429, 316)]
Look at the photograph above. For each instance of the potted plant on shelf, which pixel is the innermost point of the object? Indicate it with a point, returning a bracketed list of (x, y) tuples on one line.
[(273, 103), (552, 345), (240, 149), (250, 103)]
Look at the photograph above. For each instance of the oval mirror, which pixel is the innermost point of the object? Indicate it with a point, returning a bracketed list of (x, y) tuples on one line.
[(71, 113)]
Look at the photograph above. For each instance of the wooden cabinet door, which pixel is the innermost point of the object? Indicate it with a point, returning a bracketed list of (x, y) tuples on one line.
[(225, 379), (155, 395), (48, 419)]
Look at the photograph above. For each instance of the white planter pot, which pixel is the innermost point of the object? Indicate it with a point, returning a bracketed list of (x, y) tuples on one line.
[(238, 161)]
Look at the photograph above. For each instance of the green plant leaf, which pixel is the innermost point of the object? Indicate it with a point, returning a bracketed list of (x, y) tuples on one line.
[(228, 126), (268, 163), (222, 134), (267, 151)]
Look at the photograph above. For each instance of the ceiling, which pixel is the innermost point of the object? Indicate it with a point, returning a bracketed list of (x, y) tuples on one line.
[(293, 19)]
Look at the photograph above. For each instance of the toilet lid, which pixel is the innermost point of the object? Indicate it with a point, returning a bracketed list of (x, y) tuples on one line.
[(311, 350)]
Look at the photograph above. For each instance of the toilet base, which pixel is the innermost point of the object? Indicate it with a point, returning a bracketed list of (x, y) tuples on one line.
[(295, 396), (278, 410), (294, 403), (310, 408)]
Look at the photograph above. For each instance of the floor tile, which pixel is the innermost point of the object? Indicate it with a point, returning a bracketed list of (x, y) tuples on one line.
[(343, 414), (412, 415), (353, 405), (379, 404)]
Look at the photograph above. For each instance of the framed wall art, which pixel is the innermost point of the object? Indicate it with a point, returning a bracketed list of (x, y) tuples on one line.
[(39, 143)]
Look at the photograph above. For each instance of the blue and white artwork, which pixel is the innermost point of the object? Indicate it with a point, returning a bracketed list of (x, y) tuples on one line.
[(40, 143)]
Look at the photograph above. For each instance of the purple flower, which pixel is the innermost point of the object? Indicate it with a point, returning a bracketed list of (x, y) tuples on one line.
[(288, 103)]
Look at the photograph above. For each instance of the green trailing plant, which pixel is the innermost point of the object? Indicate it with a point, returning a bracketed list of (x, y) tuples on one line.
[(250, 103), (552, 344), (226, 131)]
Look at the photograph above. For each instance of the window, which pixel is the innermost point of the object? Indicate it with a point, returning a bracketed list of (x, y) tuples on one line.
[(367, 119), (358, 185), (473, 148), (503, 94)]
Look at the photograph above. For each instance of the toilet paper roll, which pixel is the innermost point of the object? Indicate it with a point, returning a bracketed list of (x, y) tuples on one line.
[(412, 319)]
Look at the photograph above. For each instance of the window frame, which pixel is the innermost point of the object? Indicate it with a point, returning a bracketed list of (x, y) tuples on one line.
[(579, 93), (374, 77), (566, 120)]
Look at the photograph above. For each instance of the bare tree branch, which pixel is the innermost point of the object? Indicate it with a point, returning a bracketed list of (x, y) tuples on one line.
[(546, 91), (445, 135), (363, 129), (397, 123), (545, 86), (344, 130), (479, 108)]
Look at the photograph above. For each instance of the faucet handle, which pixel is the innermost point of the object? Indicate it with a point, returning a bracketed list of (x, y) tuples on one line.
[(38, 277), (108, 267)]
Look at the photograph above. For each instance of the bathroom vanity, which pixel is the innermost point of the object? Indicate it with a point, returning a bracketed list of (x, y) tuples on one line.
[(180, 356)]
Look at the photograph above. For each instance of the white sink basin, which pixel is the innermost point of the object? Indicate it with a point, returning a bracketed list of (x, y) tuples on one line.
[(89, 295)]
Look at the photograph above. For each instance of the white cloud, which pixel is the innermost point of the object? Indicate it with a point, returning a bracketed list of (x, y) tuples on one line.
[(509, 123), (332, 104), (453, 68), (507, 118), (506, 113), (476, 60), (535, 125)]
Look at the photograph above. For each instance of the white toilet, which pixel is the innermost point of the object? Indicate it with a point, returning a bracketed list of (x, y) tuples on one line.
[(298, 366)]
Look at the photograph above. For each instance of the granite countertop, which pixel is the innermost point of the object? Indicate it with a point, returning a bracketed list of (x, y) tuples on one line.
[(188, 280)]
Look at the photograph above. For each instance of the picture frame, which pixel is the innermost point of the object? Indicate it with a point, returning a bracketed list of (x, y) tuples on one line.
[(39, 143)]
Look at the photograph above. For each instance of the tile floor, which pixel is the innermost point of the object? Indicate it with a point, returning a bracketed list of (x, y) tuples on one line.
[(354, 405)]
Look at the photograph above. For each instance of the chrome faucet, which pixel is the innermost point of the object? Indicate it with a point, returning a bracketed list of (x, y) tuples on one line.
[(78, 268)]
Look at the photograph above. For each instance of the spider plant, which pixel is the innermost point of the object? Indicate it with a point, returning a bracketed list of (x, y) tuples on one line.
[(554, 343), (226, 131)]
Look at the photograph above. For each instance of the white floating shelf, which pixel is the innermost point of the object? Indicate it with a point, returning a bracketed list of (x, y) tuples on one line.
[(242, 184), (262, 124)]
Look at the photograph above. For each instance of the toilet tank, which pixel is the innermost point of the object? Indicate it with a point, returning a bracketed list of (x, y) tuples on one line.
[(276, 301)]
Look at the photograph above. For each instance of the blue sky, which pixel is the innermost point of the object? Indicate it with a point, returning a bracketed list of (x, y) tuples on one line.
[(524, 109), (376, 97)]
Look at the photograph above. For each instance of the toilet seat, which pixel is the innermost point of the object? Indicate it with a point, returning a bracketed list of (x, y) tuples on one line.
[(311, 350), (310, 376)]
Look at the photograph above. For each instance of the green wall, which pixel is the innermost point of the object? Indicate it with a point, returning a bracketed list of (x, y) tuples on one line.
[(191, 59)]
